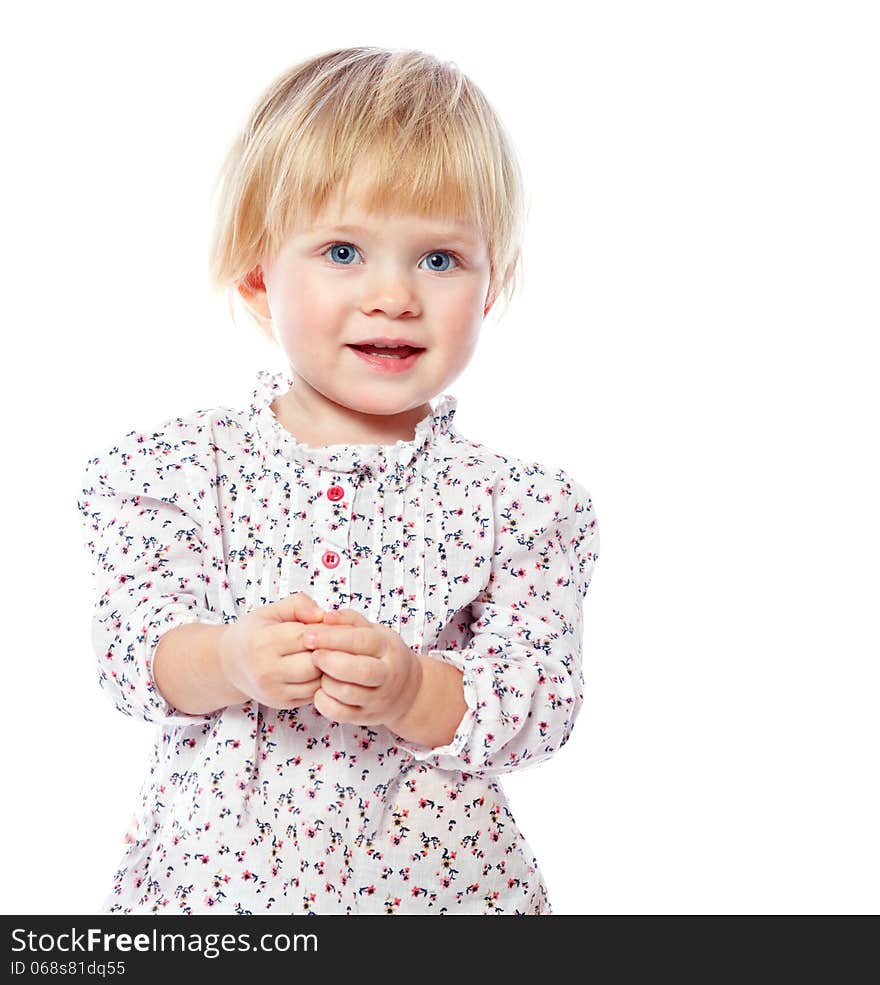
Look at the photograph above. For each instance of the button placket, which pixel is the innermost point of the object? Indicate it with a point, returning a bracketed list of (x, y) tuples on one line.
[(331, 563)]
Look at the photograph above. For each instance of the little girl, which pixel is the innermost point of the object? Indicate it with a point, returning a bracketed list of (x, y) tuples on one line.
[(346, 619)]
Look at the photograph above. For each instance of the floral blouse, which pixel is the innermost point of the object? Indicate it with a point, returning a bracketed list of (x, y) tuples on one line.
[(472, 557)]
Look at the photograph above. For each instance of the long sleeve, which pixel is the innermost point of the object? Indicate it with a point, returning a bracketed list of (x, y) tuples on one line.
[(148, 562), (522, 668)]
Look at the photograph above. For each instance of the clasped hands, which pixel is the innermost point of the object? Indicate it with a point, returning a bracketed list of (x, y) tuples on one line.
[(367, 674)]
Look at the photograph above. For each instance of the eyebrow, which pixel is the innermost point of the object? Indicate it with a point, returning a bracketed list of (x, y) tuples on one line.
[(450, 235)]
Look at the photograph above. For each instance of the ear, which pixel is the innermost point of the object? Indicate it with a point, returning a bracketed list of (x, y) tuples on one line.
[(253, 291), (490, 300)]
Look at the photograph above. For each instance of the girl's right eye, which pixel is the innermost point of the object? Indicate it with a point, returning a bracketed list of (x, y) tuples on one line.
[(344, 254)]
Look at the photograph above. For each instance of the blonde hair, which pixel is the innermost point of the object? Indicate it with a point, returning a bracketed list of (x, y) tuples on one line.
[(434, 144)]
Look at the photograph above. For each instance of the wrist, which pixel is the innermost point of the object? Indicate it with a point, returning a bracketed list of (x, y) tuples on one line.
[(224, 665), (410, 694), (187, 669), (439, 706)]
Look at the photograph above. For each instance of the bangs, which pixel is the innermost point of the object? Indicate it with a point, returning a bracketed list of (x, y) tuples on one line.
[(388, 166)]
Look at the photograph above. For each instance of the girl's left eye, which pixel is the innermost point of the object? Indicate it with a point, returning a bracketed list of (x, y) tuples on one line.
[(441, 253), (347, 250)]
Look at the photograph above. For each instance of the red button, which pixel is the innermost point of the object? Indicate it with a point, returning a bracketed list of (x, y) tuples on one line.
[(335, 492), (330, 559)]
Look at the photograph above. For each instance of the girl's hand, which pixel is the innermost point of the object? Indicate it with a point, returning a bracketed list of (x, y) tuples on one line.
[(369, 676), (263, 655)]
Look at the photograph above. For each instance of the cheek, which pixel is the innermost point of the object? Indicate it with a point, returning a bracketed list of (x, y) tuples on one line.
[(300, 298), (461, 316), (305, 313), (465, 302)]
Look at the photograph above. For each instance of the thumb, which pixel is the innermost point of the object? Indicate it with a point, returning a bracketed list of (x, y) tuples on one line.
[(345, 617), (297, 608)]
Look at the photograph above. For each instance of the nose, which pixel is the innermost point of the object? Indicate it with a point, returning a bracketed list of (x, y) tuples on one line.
[(389, 291)]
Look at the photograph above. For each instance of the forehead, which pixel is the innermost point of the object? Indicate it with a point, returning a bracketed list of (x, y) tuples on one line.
[(403, 225), (360, 208)]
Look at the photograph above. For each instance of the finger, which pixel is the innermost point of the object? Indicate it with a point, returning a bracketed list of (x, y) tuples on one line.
[(347, 694), (346, 617), (302, 692), (288, 637), (335, 710), (298, 668), (350, 667), (296, 608), (364, 640)]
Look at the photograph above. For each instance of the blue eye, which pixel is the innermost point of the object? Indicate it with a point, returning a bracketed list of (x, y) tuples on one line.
[(439, 253), (346, 249)]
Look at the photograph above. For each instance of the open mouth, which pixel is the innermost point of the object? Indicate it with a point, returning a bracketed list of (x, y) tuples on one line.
[(395, 360), (388, 352)]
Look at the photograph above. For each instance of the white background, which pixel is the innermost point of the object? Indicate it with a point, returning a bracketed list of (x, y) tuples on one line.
[(695, 341)]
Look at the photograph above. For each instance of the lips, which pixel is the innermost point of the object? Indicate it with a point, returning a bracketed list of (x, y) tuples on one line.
[(392, 352), (388, 360)]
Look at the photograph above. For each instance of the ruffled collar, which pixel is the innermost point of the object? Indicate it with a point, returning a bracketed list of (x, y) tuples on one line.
[(402, 457)]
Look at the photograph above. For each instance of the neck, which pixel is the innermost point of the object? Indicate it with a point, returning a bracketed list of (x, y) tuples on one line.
[(316, 420)]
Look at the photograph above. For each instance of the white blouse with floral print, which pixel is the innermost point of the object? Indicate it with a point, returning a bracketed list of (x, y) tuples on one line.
[(472, 557)]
